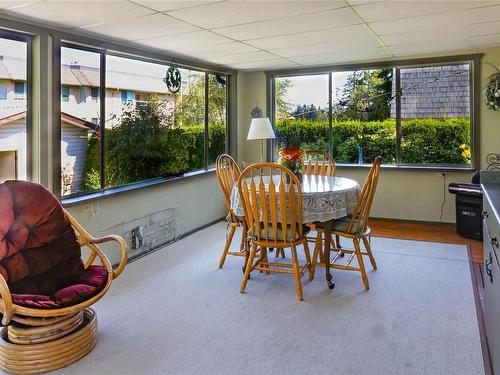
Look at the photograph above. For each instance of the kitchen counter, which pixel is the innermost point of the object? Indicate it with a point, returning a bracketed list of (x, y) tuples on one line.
[(490, 182)]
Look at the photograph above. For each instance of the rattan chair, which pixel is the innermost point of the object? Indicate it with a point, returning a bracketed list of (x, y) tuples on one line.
[(45, 287), (227, 174), (272, 200), (354, 227)]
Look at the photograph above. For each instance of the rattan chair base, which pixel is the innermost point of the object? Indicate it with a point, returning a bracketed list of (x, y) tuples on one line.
[(37, 358)]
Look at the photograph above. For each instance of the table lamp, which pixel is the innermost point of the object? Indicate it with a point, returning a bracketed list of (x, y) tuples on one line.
[(261, 128)]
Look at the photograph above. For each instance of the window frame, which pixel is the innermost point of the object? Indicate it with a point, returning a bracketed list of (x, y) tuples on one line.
[(4, 90), (20, 95), (474, 61), (27, 38), (103, 52)]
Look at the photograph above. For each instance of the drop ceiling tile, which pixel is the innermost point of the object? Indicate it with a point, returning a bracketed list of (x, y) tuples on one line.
[(437, 21), (266, 65), (390, 10), (228, 13), (298, 24), (315, 49), (186, 40), (163, 6), (242, 58), (78, 13), (149, 26), (216, 50), (354, 33), (342, 57), (7, 4)]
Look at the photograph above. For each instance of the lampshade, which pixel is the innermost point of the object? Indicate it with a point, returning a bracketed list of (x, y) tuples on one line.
[(261, 128)]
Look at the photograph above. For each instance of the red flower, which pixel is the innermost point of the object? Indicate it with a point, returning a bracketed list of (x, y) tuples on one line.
[(290, 154)]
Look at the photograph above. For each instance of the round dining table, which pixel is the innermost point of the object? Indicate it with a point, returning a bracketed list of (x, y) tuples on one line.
[(324, 199)]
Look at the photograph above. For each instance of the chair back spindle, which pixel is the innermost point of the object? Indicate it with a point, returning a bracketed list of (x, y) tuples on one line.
[(318, 163)]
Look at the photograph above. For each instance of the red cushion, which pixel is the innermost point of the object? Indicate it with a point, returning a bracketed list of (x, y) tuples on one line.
[(39, 252), (91, 281)]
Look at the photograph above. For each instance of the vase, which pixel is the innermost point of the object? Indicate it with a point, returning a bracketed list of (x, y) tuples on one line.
[(298, 175)]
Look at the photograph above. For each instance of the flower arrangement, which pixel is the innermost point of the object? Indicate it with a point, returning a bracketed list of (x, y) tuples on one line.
[(291, 158), (492, 92)]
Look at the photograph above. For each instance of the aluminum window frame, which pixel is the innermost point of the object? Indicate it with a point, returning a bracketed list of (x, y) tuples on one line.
[(474, 61), (104, 52)]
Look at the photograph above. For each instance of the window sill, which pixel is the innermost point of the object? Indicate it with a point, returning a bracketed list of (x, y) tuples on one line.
[(111, 192), (409, 167)]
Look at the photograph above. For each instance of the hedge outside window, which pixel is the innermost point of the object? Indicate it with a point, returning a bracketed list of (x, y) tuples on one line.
[(147, 132), (427, 125)]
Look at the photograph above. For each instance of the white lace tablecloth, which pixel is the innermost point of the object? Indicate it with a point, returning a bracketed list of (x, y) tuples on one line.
[(324, 198)]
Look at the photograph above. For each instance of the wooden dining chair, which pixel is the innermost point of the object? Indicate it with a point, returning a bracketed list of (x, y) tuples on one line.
[(272, 202), (227, 173), (318, 163), (354, 227)]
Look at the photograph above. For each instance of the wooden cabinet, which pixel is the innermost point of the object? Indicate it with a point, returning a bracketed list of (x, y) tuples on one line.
[(491, 238)]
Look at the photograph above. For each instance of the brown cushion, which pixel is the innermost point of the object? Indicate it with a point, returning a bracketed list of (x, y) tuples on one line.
[(39, 253), (91, 281)]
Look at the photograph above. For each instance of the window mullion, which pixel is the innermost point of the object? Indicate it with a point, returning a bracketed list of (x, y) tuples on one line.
[(398, 116), (102, 122), (206, 120), (330, 115)]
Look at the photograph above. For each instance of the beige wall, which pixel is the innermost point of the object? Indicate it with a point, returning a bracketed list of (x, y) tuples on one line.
[(251, 93), (197, 201), (409, 195)]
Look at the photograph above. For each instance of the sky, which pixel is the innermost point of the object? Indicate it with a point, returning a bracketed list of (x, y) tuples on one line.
[(314, 89)]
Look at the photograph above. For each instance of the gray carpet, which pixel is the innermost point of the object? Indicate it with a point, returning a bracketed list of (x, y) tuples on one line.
[(174, 312)]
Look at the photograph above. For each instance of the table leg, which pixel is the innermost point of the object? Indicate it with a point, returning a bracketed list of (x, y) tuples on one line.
[(326, 252)]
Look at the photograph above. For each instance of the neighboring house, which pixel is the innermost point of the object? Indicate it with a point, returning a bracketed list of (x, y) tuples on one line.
[(434, 92), (80, 91), (74, 138)]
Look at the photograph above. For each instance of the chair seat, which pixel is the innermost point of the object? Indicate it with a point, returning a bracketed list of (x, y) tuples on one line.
[(280, 235), (90, 282), (341, 225)]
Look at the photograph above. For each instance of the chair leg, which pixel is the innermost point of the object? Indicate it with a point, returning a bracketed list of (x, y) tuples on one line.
[(296, 272), (248, 268), (263, 255), (361, 263), (308, 256), (316, 254), (243, 243), (370, 254), (337, 244), (228, 244), (266, 260)]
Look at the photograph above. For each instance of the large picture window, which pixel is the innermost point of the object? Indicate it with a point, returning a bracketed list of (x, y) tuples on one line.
[(13, 110), (146, 131), (411, 116)]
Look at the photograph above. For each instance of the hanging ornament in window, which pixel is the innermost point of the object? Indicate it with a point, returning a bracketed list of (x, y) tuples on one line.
[(220, 79), (492, 91), (173, 79)]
